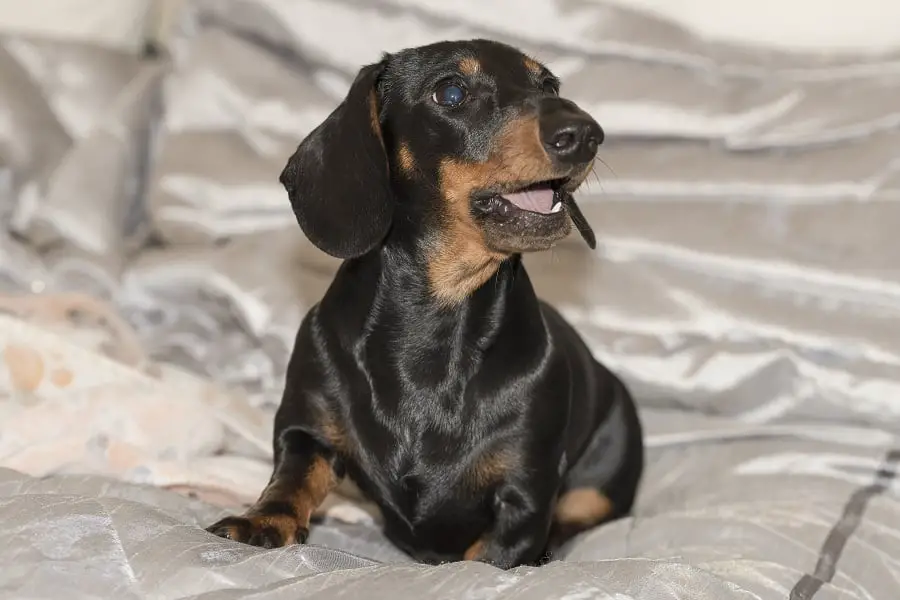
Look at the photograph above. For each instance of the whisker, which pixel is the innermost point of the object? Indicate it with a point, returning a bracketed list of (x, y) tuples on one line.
[(605, 164), (593, 172)]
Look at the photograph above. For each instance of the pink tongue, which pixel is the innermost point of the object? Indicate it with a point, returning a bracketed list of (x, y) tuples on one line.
[(537, 200)]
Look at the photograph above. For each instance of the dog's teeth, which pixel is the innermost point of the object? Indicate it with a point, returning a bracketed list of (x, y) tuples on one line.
[(556, 207)]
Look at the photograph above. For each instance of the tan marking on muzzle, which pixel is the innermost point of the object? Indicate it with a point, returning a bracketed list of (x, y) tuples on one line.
[(460, 261)]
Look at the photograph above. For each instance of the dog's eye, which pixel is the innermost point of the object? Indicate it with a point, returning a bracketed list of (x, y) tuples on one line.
[(550, 86), (449, 94)]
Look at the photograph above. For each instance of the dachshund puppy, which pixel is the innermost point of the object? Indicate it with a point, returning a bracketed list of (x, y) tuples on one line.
[(430, 374)]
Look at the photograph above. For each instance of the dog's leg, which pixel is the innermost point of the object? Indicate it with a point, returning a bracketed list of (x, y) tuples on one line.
[(602, 484), (305, 472), (578, 510), (522, 522)]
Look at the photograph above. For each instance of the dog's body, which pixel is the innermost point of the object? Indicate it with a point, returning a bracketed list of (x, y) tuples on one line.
[(471, 413)]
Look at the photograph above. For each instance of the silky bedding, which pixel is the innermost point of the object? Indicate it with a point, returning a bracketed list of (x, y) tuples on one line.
[(745, 286)]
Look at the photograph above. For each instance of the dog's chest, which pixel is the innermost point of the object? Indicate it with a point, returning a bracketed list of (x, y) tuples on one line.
[(425, 480)]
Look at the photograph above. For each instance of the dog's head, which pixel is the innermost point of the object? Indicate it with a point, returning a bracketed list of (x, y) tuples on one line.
[(465, 146)]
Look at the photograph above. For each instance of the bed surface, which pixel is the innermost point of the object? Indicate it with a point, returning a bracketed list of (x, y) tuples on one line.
[(152, 276)]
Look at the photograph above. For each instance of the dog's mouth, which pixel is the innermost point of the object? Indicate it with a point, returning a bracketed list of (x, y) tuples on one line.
[(542, 198), (545, 204)]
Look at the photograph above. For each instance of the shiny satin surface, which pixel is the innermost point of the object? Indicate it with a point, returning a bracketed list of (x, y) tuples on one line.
[(746, 281)]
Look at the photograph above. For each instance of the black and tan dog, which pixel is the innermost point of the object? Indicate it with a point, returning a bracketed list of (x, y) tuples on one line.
[(430, 374)]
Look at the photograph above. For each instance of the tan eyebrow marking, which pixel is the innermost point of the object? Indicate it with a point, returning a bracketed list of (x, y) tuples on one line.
[(469, 65), (533, 65)]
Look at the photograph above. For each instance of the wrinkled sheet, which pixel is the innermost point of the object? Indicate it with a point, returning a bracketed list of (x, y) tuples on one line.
[(746, 287), (111, 23)]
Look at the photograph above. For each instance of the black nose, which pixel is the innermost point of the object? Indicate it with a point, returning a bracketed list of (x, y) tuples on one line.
[(569, 134)]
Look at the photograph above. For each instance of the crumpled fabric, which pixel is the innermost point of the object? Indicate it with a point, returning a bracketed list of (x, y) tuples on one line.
[(744, 287)]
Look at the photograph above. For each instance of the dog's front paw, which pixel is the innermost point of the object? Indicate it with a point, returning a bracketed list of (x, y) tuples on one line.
[(503, 557), (499, 561), (262, 531), (483, 551)]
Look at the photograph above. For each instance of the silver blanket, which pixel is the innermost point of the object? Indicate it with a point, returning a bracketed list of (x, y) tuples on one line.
[(745, 286)]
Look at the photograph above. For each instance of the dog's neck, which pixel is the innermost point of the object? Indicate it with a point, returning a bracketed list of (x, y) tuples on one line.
[(435, 283), (450, 338), (434, 343), (458, 265)]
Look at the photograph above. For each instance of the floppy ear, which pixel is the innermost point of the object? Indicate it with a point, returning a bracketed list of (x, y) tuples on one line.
[(338, 180)]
